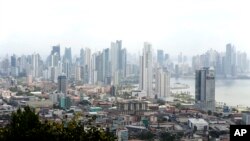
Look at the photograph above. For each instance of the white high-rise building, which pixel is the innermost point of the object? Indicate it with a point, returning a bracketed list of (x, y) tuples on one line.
[(205, 89), (93, 73), (35, 65), (163, 84), (146, 75), (77, 73), (114, 59), (87, 64), (230, 66), (54, 74)]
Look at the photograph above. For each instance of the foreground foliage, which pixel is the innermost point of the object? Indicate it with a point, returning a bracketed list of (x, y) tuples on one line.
[(25, 125)]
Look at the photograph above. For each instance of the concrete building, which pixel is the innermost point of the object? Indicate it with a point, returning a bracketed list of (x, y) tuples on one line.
[(122, 134), (163, 84), (35, 65), (205, 89), (118, 62), (230, 67), (132, 107), (56, 49), (82, 57), (29, 80), (62, 84), (200, 124), (160, 57), (146, 74), (87, 65), (106, 70), (77, 73), (65, 102), (246, 118)]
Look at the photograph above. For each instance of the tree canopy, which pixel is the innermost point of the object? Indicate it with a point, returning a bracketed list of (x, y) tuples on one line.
[(26, 125)]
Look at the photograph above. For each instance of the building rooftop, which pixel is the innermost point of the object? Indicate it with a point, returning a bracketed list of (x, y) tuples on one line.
[(198, 120)]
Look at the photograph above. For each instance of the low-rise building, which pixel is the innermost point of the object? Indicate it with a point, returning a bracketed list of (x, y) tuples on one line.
[(122, 134), (132, 107), (199, 123)]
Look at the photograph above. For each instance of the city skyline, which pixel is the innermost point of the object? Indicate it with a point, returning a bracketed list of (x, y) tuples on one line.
[(178, 26), (126, 69)]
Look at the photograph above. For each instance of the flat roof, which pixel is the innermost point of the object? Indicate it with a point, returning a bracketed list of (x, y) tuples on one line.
[(198, 120)]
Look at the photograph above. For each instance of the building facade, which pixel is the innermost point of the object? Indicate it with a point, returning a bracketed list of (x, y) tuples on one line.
[(62, 84), (205, 89), (146, 69)]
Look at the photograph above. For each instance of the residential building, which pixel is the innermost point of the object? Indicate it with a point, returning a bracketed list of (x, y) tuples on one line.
[(205, 89)]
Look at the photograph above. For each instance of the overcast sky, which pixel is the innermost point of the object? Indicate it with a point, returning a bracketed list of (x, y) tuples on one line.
[(188, 26)]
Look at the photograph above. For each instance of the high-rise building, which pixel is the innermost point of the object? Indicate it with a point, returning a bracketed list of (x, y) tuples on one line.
[(163, 84), (99, 67), (205, 89), (68, 55), (160, 57), (54, 59), (78, 73), (118, 59), (146, 75), (167, 57), (93, 73), (56, 49), (66, 68), (230, 65), (35, 65), (82, 57), (62, 84), (23, 65), (180, 59), (114, 59), (242, 62), (123, 62), (106, 65), (54, 74), (5, 66), (87, 65), (13, 61)]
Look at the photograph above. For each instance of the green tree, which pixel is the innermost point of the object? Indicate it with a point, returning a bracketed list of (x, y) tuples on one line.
[(161, 102), (209, 112), (145, 135), (25, 125), (178, 106)]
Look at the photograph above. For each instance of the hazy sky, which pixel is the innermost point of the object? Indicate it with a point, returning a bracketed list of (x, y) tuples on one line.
[(190, 26)]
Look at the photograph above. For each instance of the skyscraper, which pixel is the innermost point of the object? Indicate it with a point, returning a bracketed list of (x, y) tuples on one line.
[(99, 66), (163, 84), (146, 75), (62, 84), (160, 57), (82, 57), (35, 65), (180, 59), (124, 61), (13, 60), (87, 65), (205, 89), (106, 65), (118, 60), (68, 55), (230, 65), (13, 63), (56, 49)]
